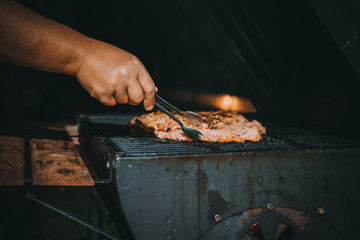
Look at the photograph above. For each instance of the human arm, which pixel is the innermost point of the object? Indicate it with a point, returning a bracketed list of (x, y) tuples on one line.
[(108, 73)]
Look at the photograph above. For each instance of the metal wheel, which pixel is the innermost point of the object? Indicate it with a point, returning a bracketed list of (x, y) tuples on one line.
[(276, 224)]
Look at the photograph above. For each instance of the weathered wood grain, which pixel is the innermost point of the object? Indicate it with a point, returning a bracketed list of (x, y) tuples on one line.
[(11, 160), (58, 163)]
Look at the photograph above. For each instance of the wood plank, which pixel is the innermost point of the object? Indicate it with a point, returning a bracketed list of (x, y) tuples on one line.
[(11, 160), (58, 163), (73, 132)]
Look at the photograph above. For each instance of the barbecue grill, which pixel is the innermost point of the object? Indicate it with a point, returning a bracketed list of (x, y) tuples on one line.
[(293, 184)]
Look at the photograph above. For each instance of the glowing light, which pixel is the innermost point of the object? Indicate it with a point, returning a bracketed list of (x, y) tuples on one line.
[(216, 101), (227, 101), (233, 103)]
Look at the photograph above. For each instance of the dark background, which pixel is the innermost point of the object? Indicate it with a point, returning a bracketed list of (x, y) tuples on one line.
[(303, 78), (308, 81)]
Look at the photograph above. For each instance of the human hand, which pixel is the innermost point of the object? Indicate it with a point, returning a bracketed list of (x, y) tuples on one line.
[(113, 75)]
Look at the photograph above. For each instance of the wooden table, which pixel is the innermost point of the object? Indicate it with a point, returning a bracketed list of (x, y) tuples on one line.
[(54, 157)]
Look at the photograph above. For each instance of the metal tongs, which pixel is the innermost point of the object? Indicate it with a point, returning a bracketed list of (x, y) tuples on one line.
[(194, 118)]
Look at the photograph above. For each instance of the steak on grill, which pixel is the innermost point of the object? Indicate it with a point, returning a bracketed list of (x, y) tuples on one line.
[(219, 126)]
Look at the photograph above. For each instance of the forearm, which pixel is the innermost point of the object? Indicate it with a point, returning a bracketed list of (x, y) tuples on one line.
[(108, 73), (29, 39)]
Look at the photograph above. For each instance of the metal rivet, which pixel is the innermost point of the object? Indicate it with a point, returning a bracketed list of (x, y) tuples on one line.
[(259, 180), (320, 211), (269, 206), (217, 217), (282, 180), (167, 236), (168, 220)]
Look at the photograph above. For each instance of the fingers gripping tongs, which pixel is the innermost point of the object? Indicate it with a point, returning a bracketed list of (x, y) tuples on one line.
[(166, 107)]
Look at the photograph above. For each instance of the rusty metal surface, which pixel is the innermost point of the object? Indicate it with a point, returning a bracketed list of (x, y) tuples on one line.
[(180, 196), (313, 192)]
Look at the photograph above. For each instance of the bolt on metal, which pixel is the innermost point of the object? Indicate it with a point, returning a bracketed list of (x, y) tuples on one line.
[(320, 211), (168, 220), (167, 236), (259, 180), (217, 217), (270, 206)]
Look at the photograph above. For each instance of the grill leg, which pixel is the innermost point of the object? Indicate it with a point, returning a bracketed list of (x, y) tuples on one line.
[(103, 207), (95, 216)]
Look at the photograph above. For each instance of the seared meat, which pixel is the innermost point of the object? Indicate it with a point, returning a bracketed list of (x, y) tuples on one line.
[(219, 126)]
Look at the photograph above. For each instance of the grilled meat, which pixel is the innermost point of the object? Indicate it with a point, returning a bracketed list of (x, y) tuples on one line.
[(219, 126)]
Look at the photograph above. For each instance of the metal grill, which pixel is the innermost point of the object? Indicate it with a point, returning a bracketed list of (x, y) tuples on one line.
[(277, 139), (150, 146), (180, 190)]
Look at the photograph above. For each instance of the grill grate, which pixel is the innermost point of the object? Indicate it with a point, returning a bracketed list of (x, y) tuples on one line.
[(278, 139), (130, 142), (151, 146)]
